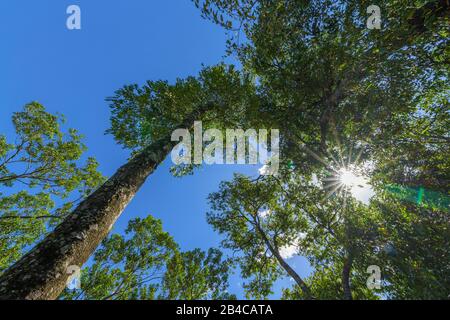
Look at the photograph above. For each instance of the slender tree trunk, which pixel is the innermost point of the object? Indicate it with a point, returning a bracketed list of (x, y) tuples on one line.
[(346, 277), (274, 250), (292, 273), (43, 272)]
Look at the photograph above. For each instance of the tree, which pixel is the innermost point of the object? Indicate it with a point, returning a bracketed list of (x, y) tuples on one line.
[(197, 275), (155, 110), (239, 212), (415, 242), (344, 95), (268, 220), (46, 161), (309, 68), (323, 72), (145, 263)]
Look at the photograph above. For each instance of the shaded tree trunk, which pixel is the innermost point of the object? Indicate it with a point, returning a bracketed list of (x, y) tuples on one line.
[(437, 8), (43, 272), (346, 270), (303, 286), (291, 272)]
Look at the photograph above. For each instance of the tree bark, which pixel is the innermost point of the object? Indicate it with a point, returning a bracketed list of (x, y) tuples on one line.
[(274, 250), (303, 286), (43, 272), (346, 277)]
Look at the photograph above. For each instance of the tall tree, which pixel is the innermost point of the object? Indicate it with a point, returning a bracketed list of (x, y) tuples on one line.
[(315, 64), (143, 119), (268, 220)]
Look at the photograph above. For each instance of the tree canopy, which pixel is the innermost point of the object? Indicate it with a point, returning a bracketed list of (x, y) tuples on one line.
[(145, 263), (347, 100)]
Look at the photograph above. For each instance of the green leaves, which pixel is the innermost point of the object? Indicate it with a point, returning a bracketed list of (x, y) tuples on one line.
[(22, 221), (141, 115), (46, 161), (145, 263), (260, 218), (128, 266), (45, 157), (417, 267), (197, 275)]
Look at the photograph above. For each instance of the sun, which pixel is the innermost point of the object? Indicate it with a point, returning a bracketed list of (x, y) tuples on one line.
[(348, 178), (353, 180), (346, 174)]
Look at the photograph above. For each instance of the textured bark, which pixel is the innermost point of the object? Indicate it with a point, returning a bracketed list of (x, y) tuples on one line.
[(43, 272)]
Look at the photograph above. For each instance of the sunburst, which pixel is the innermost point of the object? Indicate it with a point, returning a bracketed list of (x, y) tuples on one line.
[(345, 174), (347, 177)]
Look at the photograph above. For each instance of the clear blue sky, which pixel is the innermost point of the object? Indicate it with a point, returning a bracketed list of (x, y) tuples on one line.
[(121, 42)]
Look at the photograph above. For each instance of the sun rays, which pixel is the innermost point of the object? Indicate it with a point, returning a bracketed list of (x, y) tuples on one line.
[(349, 179), (345, 173)]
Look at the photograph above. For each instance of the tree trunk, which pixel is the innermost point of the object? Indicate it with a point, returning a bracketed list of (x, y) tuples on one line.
[(292, 273), (43, 272), (346, 277), (274, 250)]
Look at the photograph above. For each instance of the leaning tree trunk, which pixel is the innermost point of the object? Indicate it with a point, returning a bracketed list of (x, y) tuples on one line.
[(303, 286), (289, 270), (43, 272), (346, 270)]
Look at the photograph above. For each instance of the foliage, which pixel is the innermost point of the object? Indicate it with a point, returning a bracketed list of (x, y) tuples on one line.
[(46, 161), (145, 263), (196, 275), (144, 114), (343, 94)]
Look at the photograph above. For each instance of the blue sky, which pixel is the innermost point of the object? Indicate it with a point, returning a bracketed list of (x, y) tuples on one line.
[(73, 71)]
